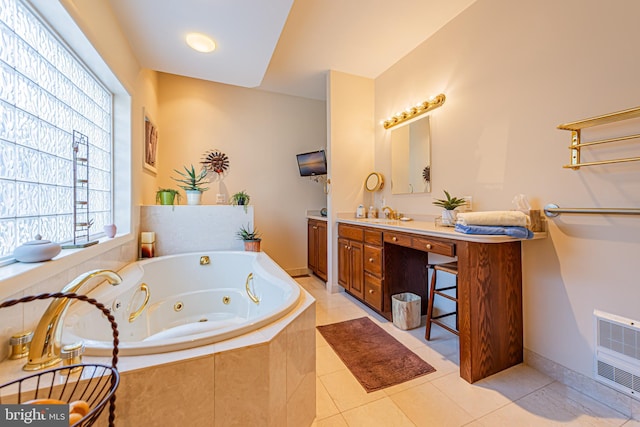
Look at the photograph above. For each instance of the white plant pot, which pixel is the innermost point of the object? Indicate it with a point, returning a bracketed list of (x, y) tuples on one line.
[(193, 197), (449, 217)]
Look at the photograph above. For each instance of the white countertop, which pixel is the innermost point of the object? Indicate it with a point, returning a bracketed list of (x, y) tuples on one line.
[(317, 217), (428, 228)]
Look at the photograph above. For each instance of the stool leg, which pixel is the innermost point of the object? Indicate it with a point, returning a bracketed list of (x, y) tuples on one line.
[(432, 289)]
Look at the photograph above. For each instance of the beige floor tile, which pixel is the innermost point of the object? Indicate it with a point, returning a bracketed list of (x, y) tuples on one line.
[(475, 400), (346, 312), (381, 413), (427, 406), (515, 382), (327, 361), (519, 396), (346, 391), (555, 404), (325, 407), (335, 421), (320, 341)]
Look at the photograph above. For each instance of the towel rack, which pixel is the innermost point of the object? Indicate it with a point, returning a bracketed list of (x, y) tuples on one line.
[(552, 210), (576, 144)]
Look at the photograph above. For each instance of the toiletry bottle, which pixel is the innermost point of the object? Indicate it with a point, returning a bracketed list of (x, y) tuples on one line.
[(360, 212), (373, 213)]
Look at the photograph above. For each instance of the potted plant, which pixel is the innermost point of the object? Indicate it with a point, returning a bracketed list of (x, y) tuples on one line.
[(251, 238), (167, 196), (241, 198), (191, 182), (449, 205)]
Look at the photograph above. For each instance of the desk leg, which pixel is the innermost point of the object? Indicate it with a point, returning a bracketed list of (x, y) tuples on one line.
[(490, 308)]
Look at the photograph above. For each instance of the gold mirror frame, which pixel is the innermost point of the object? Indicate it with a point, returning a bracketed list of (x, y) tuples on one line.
[(374, 182)]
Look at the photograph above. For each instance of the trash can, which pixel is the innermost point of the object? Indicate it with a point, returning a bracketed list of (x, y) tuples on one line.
[(405, 309)]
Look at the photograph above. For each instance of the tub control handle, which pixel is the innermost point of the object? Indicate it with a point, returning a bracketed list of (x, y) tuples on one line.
[(144, 288), (251, 294)]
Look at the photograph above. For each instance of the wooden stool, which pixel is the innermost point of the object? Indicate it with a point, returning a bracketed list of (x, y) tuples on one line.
[(451, 268)]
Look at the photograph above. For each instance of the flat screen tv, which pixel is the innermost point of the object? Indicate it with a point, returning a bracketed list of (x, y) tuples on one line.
[(312, 164)]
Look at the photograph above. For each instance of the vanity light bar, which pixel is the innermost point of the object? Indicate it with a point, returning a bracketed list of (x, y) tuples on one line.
[(412, 112)]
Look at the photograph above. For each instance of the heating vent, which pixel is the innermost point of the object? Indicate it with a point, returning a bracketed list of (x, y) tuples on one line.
[(617, 358)]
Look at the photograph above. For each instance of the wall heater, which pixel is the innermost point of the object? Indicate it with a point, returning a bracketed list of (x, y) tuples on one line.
[(617, 358)]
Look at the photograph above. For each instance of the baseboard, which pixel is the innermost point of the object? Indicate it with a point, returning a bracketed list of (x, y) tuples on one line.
[(616, 400)]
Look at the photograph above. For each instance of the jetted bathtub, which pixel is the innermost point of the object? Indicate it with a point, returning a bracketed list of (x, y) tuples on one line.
[(183, 301)]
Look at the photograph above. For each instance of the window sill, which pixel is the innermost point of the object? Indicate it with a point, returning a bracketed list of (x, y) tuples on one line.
[(19, 276)]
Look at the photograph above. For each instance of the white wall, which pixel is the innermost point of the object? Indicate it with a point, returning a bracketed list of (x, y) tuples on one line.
[(261, 133), (512, 71), (350, 103)]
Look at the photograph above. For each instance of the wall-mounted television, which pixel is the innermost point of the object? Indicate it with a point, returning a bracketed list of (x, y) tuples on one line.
[(312, 163)]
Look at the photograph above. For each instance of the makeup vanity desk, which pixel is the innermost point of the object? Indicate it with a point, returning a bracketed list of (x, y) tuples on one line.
[(380, 258)]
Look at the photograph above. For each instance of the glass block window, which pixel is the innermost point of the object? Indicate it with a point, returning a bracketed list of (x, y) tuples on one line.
[(45, 94)]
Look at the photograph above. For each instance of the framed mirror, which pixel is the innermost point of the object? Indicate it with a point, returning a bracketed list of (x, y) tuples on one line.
[(411, 157), (374, 182)]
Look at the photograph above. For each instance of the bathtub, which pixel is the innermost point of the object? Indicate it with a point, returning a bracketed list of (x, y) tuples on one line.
[(183, 301)]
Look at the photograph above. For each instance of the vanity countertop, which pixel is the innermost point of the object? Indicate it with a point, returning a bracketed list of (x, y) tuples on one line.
[(317, 217), (428, 228)]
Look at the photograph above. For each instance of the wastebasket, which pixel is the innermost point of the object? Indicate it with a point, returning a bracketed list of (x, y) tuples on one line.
[(405, 309)]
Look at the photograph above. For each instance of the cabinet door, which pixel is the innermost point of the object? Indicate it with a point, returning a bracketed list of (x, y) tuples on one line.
[(344, 263), (312, 245), (321, 250), (356, 252)]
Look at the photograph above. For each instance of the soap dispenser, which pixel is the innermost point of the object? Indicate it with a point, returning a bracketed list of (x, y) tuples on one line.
[(360, 212)]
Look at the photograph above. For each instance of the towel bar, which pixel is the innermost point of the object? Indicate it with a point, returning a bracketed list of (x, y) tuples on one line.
[(552, 210)]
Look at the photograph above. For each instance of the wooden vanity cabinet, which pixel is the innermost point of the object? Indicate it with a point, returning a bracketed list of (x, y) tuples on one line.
[(317, 247), (376, 263), (360, 263)]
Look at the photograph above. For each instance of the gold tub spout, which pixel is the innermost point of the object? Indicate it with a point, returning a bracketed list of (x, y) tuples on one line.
[(44, 351)]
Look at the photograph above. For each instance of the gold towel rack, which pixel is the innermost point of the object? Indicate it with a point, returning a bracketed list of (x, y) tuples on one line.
[(552, 210), (577, 144)]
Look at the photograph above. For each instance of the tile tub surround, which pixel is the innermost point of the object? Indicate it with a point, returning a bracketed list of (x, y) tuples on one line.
[(184, 228), (265, 378)]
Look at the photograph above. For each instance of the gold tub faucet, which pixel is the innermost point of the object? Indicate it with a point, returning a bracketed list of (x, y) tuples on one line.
[(44, 351)]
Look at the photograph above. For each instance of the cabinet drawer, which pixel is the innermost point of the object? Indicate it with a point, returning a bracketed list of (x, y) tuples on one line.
[(373, 237), (351, 232), (373, 260), (397, 238), (373, 291), (435, 246)]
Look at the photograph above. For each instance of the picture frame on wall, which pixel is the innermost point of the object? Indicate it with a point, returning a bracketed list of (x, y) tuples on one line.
[(150, 153)]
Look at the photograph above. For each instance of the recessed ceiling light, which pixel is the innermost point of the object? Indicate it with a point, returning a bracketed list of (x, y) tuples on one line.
[(200, 42)]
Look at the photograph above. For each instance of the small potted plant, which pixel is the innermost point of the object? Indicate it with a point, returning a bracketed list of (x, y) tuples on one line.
[(251, 238), (191, 182), (449, 205), (241, 198), (167, 196)]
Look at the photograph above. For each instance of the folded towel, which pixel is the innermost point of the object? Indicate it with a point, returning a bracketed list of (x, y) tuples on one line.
[(512, 218), (518, 232)]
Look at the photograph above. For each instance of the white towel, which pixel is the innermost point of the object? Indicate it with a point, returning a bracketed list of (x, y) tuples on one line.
[(504, 218)]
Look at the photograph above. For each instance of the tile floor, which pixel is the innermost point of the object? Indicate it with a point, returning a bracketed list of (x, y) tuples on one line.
[(519, 396)]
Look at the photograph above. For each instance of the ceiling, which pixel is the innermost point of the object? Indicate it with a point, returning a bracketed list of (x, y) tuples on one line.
[(283, 46)]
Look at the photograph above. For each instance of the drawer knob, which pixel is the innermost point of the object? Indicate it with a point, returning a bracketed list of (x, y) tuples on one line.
[(346, 247), (370, 259), (428, 245), (370, 291), (315, 227), (394, 238)]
